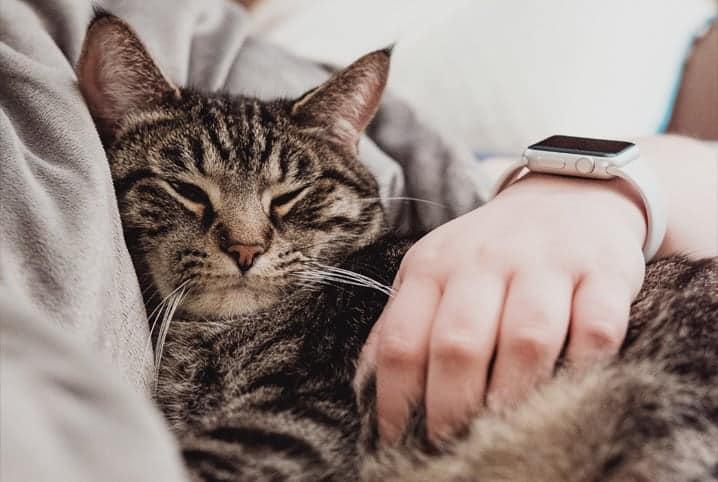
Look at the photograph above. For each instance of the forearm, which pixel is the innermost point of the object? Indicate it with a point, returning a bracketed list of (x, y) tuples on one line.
[(688, 172)]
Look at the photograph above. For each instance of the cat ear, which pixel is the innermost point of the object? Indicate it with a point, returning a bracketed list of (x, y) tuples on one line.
[(344, 105), (116, 74)]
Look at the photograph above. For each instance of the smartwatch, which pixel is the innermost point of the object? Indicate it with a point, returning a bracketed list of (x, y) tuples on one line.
[(598, 159)]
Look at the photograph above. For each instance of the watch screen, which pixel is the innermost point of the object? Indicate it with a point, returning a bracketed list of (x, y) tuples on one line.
[(581, 145)]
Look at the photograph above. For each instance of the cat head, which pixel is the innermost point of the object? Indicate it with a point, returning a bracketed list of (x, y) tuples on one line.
[(228, 196)]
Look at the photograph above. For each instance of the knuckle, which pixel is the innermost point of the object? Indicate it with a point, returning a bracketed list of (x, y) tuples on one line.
[(607, 310), (399, 353), (505, 255), (531, 347), (488, 253), (616, 270), (602, 336), (422, 259), (453, 350)]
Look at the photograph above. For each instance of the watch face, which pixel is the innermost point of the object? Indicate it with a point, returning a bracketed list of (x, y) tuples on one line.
[(582, 145)]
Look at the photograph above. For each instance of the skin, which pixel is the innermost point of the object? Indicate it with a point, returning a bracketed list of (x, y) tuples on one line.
[(518, 278)]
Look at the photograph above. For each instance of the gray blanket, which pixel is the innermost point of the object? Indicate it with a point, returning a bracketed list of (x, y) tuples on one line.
[(62, 254)]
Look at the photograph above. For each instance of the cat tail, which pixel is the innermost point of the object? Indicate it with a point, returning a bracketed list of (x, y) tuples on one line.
[(628, 422)]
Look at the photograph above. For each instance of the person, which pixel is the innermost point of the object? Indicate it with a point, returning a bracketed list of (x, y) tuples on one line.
[(486, 302), (512, 277)]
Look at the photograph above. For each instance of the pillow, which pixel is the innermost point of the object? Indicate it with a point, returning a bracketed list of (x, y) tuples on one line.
[(500, 74)]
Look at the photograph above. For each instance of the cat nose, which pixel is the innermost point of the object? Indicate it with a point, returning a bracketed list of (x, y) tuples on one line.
[(245, 254)]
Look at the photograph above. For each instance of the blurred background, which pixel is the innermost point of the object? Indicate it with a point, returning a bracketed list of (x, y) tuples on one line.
[(500, 74)]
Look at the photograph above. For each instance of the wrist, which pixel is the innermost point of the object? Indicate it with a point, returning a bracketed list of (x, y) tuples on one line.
[(615, 198)]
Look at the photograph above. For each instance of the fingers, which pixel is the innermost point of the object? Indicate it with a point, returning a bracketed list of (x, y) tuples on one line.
[(367, 357), (462, 343), (599, 319), (401, 353), (533, 328)]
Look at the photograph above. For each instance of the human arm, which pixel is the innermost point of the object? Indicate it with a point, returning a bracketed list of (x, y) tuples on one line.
[(515, 278)]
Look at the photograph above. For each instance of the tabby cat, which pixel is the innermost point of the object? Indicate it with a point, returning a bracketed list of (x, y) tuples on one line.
[(252, 216)]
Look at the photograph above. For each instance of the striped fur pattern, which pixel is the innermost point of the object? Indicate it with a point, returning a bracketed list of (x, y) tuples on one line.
[(256, 366), (217, 169)]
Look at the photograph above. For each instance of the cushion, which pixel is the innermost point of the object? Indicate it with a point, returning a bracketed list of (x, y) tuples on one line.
[(500, 74)]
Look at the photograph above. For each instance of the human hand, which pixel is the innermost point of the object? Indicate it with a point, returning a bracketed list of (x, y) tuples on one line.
[(550, 258)]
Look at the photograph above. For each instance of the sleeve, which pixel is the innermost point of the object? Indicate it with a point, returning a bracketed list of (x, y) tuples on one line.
[(67, 418), (62, 248)]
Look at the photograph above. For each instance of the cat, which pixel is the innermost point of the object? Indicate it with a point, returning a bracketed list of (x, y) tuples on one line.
[(263, 234)]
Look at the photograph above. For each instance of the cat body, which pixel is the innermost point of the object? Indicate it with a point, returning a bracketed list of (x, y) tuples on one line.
[(283, 376), (259, 235), (649, 415)]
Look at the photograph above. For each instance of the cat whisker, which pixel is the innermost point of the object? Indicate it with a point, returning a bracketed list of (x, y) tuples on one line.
[(169, 312), (343, 276), (350, 280), (314, 282), (344, 281), (405, 198), (143, 299), (336, 271), (155, 315), (161, 304)]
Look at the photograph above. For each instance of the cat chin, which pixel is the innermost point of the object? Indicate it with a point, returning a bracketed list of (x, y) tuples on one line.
[(227, 303)]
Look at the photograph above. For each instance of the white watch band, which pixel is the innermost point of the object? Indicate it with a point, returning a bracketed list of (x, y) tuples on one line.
[(639, 176), (643, 179)]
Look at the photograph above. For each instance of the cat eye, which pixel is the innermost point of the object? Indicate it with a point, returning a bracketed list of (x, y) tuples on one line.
[(190, 192), (284, 199), (287, 197)]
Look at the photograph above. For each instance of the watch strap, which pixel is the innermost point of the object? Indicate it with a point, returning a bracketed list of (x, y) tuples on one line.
[(643, 179)]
